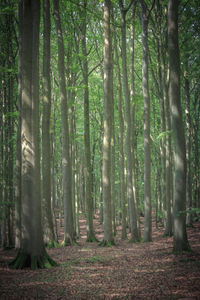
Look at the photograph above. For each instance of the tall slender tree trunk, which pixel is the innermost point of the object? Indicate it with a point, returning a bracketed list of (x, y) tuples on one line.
[(180, 234), (121, 148), (188, 148), (49, 235), (69, 232), (88, 170), (106, 173), (130, 195), (18, 144), (133, 106), (147, 146)]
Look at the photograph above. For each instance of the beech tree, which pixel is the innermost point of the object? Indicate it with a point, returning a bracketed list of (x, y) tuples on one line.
[(135, 235), (69, 234), (106, 173), (49, 235), (32, 252), (180, 234)]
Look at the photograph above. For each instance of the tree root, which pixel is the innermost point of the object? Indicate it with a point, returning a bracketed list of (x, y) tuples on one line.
[(106, 243), (92, 239), (25, 260)]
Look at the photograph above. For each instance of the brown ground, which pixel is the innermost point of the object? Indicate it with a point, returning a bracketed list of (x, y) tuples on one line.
[(125, 271)]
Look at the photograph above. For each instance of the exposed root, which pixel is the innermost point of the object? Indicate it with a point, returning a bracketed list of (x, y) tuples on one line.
[(106, 243), (92, 239), (24, 260)]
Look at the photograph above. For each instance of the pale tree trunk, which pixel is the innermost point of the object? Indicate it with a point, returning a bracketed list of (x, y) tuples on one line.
[(147, 147), (113, 194), (88, 170), (106, 173), (130, 195), (168, 163), (121, 147), (133, 105), (69, 232), (180, 234), (196, 151), (167, 137), (32, 252), (49, 235), (188, 148)]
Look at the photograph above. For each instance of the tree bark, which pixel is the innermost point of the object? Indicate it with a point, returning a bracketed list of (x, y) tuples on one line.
[(147, 147), (130, 195), (180, 234), (32, 252), (88, 169), (121, 146), (69, 232), (188, 148), (49, 235), (106, 173)]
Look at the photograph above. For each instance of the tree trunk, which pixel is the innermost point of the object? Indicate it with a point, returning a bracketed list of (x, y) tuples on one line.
[(188, 149), (88, 170), (133, 106), (32, 252), (121, 147), (18, 144), (69, 232), (106, 173), (49, 235), (147, 148), (130, 195), (180, 234)]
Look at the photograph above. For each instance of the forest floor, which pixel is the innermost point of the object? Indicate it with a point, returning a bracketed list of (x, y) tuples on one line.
[(125, 271)]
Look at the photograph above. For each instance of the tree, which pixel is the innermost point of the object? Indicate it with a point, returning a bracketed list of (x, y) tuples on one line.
[(180, 234), (32, 251), (130, 195), (121, 145), (88, 170), (147, 141), (69, 232), (106, 174), (49, 235)]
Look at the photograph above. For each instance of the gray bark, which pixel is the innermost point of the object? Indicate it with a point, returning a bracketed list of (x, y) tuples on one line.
[(180, 234), (147, 147), (130, 195), (106, 173), (32, 241), (66, 163), (88, 169), (49, 235)]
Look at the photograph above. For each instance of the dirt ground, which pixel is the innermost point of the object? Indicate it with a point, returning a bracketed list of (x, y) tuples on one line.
[(125, 271)]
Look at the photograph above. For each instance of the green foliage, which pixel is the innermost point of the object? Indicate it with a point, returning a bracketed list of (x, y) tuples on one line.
[(164, 134)]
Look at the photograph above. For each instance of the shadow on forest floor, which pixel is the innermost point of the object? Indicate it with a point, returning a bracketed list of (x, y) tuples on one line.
[(126, 271)]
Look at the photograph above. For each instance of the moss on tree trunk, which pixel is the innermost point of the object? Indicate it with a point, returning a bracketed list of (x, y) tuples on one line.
[(26, 260)]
